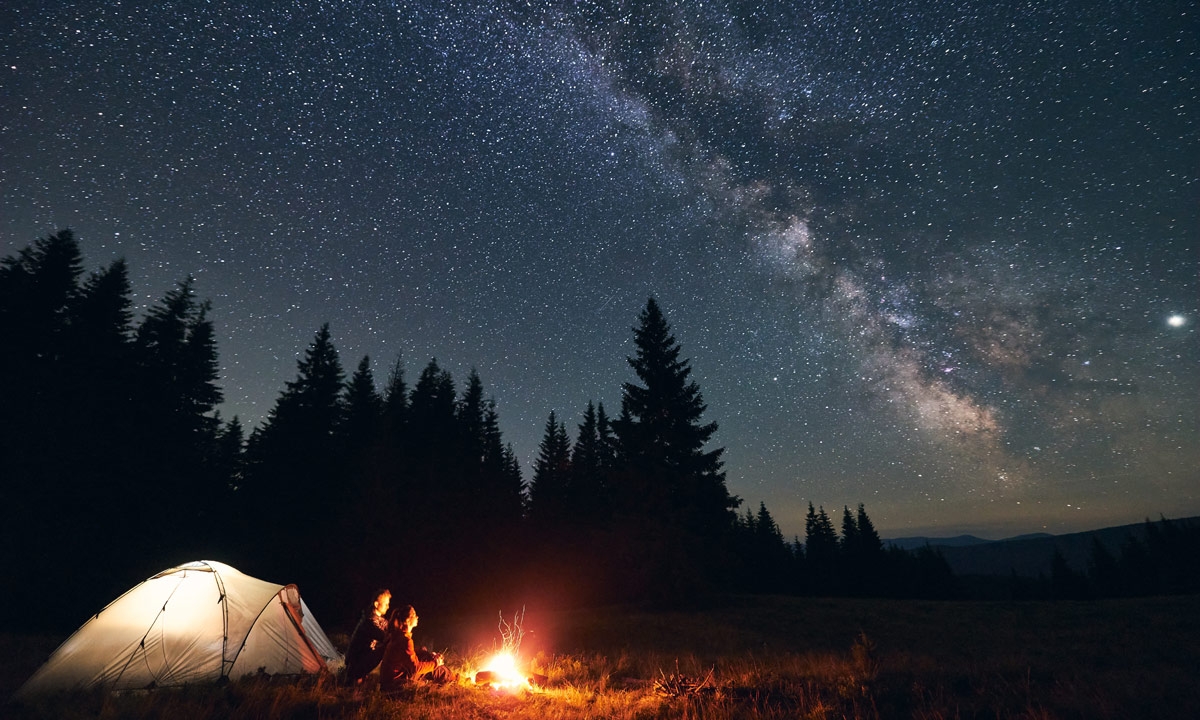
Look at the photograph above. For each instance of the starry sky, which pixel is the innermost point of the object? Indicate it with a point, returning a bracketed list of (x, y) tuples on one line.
[(940, 258)]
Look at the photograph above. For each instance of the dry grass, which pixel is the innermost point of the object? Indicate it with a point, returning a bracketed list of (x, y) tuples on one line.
[(762, 658)]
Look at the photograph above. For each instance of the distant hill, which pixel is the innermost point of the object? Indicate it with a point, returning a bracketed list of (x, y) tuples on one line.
[(1026, 555), (920, 541)]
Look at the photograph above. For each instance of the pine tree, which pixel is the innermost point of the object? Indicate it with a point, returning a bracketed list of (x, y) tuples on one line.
[(771, 550), (98, 372), (670, 487), (359, 433), (38, 288), (820, 552), (766, 528), (306, 417), (865, 560), (101, 317), (491, 504), (45, 487), (177, 356), (295, 456), (363, 409), (432, 427), (502, 486), (550, 490), (591, 463), (176, 387), (606, 442), (374, 430), (231, 446), (470, 413), (392, 464), (850, 543), (395, 404), (871, 543), (513, 478), (663, 434)]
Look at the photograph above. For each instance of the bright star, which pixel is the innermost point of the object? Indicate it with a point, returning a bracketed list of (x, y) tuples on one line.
[(1176, 321)]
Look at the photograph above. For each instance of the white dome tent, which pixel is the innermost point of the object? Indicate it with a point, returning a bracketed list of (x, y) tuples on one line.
[(200, 622)]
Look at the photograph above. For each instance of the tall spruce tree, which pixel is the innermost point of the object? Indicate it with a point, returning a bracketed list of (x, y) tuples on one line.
[(294, 458), (514, 480), (374, 493), (766, 529), (671, 486), (363, 415), (820, 552), (42, 469), (38, 288), (99, 372), (591, 462), (487, 506), (850, 540), (395, 404), (101, 317), (470, 413), (550, 499), (772, 556), (871, 543), (502, 490), (177, 372), (230, 455), (177, 357), (433, 432), (435, 487), (863, 555)]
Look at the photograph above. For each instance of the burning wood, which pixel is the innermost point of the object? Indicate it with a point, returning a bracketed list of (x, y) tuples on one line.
[(501, 671)]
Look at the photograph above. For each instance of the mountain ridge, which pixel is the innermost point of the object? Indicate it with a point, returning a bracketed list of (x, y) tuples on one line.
[(1028, 555)]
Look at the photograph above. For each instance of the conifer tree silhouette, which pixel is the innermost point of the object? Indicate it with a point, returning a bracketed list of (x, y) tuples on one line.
[(670, 487), (294, 458), (550, 489)]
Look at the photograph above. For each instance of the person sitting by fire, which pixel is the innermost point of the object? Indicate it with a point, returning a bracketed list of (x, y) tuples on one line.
[(402, 662), (368, 641)]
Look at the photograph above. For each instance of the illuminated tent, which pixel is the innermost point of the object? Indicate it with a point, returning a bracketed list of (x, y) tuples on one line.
[(197, 623)]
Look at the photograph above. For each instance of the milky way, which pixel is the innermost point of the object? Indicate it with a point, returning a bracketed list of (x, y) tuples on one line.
[(938, 258)]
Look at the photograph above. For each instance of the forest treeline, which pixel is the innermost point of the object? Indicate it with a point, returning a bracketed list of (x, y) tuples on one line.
[(115, 463), (1162, 559)]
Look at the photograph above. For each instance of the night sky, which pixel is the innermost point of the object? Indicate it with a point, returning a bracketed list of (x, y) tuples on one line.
[(940, 258)]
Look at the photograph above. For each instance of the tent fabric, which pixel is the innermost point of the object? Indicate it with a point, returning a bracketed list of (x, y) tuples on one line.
[(196, 623)]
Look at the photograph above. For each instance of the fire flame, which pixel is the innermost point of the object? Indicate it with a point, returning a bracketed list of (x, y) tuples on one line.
[(504, 672)]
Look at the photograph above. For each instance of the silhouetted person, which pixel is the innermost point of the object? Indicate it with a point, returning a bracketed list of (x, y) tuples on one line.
[(401, 661), (369, 640)]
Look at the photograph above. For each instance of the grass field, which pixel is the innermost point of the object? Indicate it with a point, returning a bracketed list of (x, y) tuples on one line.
[(746, 657)]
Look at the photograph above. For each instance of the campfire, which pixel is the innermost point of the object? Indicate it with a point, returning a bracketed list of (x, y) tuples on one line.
[(502, 671)]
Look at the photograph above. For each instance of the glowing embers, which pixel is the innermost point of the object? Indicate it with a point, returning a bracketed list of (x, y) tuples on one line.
[(501, 673)]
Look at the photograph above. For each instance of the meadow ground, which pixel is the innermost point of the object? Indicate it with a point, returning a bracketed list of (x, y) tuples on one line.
[(744, 657)]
